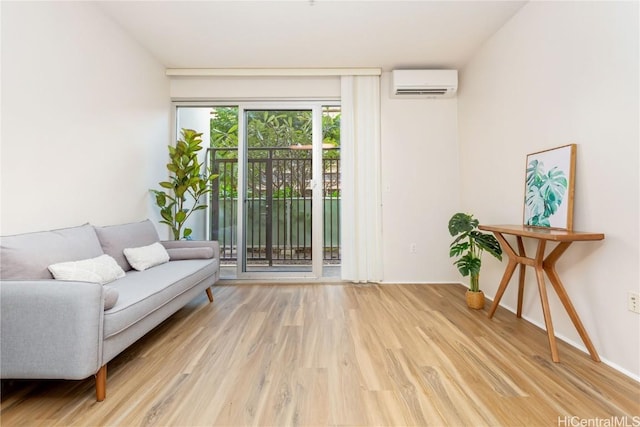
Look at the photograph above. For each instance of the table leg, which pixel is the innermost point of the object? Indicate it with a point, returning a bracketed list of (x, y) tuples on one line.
[(508, 272), (523, 268), (549, 267), (546, 310)]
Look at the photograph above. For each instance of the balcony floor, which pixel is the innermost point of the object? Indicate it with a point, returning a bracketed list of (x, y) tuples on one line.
[(329, 272)]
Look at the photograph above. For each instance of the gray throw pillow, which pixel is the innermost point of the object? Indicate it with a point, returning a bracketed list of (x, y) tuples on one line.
[(115, 238), (110, 297), (27, 256), (177, 254)]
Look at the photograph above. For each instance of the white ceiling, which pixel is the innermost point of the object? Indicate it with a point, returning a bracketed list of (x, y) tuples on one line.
[(311, 34)]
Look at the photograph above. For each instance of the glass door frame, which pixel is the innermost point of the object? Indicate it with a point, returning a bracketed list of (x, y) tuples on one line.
[(316, 189)]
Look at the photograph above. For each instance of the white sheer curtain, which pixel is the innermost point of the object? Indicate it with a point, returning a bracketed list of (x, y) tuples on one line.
[(361, 212)]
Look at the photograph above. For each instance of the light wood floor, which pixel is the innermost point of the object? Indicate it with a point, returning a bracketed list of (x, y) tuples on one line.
[(335, 354)]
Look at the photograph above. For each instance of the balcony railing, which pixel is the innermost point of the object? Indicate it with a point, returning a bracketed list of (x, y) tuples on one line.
[(278, 205)]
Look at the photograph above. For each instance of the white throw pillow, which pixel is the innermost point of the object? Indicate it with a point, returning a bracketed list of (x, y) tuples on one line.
[(146, 256), (102, 269)]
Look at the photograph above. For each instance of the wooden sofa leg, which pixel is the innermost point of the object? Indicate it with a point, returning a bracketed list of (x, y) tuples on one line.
[(210, 294), (101, 383)]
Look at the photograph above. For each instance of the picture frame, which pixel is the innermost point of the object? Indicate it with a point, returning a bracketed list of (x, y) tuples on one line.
[(549, 188)]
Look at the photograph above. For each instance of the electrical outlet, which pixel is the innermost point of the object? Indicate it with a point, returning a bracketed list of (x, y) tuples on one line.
[(413, 248), (633, 303)]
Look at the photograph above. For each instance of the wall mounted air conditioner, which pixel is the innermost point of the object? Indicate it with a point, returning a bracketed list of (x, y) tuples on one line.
[(424, 83)]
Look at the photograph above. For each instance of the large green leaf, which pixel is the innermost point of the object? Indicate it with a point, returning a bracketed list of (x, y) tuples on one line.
[(468, 264), (459, 238), (166, 215), (180, 190), (462, 222), (161, 199), (181, 147), (458, 249), (194, 183), (488, 243)]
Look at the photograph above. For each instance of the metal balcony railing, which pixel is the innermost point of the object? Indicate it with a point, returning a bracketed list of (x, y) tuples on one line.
[(278, 205)]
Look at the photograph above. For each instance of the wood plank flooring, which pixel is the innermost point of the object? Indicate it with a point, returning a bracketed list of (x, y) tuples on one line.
[(335, 355)]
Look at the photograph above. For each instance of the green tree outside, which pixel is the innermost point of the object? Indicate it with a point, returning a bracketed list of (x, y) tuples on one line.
[(272, 128)]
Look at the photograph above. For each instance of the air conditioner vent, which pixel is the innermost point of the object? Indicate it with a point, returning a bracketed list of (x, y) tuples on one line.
[(424, 83), (421, 91)]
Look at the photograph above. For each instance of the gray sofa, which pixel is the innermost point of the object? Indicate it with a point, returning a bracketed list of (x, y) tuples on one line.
[(60, 329)]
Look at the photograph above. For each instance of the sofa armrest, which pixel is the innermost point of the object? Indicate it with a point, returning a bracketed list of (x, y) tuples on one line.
[(50, 329), (175, 244)]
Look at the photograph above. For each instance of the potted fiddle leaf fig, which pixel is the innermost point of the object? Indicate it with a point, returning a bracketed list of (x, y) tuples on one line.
[(468, 246), (187, 184)]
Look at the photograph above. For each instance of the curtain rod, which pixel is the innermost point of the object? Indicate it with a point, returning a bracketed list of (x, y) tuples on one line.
[(272, 72)]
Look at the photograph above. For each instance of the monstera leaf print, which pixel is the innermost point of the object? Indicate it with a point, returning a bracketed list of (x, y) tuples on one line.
[(545, 191), (554, 185)]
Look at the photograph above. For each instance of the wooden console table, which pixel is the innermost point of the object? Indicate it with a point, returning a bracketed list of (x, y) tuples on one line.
[(541, 264)]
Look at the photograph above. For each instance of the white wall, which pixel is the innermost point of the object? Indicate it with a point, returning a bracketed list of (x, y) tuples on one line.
[(85, 119), (420, 186), (559, 73), (254, 88)]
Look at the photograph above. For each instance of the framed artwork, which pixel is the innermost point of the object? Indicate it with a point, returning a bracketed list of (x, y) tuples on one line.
[(549, 188)]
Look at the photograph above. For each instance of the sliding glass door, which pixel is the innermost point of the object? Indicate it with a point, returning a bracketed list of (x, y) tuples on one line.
[(281, 206)]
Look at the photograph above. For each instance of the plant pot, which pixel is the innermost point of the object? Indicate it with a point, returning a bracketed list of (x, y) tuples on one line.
[(475, 300)]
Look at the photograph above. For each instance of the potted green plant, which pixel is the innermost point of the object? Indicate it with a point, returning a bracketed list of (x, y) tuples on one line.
[(188, 181), (468, 245)]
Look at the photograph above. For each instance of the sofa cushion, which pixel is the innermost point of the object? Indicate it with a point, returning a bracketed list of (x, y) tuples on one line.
[(146, 257), (177, 254), (142, 292), (102, 269), (115, 238), (28, 256)]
